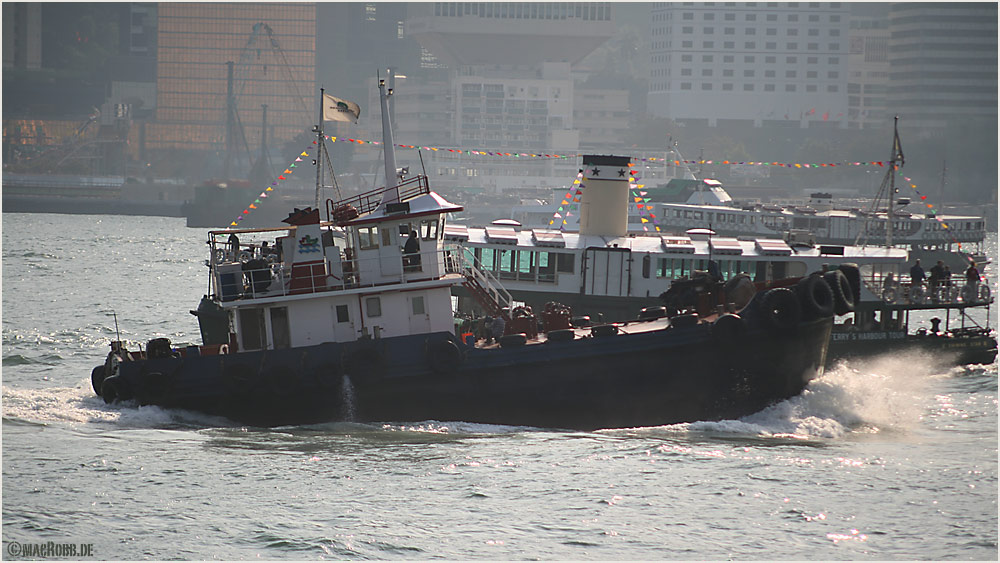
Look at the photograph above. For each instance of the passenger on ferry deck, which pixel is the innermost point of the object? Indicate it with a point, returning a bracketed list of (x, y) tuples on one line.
[(916, 274)]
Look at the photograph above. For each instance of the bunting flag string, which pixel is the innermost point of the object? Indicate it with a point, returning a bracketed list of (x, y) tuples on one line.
[(519, 155), (932, 211), (264, 194)]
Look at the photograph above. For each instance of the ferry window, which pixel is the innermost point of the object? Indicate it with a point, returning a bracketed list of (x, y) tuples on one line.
[(368, 237), (487, 259), (546, 267), (525, 265), (661, 267), (374, 306), (343, 315), (779, 270), (252, 328), (429, 229), (646, 263), (566, 263), (417, 304), (508, 264), (387, 238), (697, 215)]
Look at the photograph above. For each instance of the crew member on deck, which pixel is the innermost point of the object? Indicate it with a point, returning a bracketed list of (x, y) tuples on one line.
[(411, 253)]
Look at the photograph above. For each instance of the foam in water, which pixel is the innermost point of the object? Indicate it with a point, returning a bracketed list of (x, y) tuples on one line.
[(79, 405), (873, 396)]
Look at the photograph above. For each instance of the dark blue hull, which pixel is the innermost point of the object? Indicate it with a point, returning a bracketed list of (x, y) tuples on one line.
[(664, 376)]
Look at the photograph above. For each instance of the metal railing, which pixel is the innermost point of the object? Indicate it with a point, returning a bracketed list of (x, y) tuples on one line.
[(368, 201), (953, 290), (461, 260)]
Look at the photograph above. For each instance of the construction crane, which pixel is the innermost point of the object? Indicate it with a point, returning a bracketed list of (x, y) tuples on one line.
[(261, 54)]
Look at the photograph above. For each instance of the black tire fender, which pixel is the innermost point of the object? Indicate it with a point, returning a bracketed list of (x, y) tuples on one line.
[(114, 389), (843, 294), (780, 308), (364, 364), (97, 376), (444, 357), (684, 321), (815, 297), (604, 330), (729, 329), (853, 275), (561, 335), (513, 340)]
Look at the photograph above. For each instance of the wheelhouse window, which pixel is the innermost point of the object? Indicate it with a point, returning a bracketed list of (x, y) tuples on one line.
[(429, 229), (367, 238)]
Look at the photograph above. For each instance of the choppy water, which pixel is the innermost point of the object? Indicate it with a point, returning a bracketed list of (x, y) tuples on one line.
[(887, 459)]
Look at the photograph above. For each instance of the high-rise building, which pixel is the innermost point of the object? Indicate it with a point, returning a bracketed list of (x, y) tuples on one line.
[(22, 35), (728, 63), (943, 62), (868, 66), (509, 87), (272, 50)]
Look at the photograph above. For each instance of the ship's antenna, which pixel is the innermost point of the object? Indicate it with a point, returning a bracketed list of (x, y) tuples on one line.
[(117, 334)]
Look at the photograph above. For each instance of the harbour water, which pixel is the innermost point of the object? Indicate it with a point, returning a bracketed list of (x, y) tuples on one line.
[(889, 459)]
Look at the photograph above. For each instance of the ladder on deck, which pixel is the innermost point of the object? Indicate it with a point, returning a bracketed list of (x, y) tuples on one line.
[(481, 284)]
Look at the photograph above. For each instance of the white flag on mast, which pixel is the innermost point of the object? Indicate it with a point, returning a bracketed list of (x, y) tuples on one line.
[(336, 109)]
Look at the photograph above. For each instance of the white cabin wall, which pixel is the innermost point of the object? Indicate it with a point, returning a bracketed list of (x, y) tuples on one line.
[(309, 322)]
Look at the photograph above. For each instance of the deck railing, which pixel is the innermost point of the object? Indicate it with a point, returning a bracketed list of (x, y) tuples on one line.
[(954, 290)]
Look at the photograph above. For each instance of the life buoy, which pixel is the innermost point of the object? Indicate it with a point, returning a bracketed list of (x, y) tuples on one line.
[(918, 294), (219, 256), (561, 335), (815, 296), (244, 256), (889, 295), (729, 329), (843, 294), (223, 349), (984, 292), (444, 357), (114, 389), (781, 309)]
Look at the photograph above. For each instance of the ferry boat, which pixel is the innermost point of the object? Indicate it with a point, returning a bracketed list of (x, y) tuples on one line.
[(881, 322), (822, 220), (343, 320), (603, 270), (689, 202)]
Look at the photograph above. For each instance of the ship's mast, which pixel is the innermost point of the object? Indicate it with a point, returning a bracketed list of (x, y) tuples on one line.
[(319, 151), (897, 156), (391, 193)]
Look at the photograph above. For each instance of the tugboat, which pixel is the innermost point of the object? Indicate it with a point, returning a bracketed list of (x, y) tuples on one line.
[(341, 320)]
